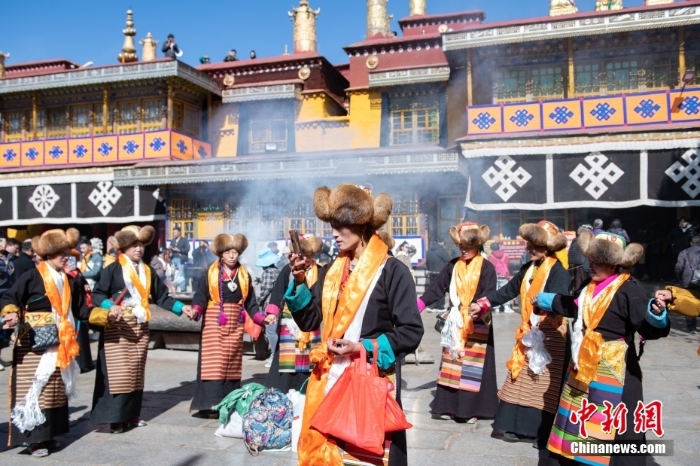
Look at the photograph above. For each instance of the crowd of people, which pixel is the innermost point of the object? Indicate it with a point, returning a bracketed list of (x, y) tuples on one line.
[(320, 306)]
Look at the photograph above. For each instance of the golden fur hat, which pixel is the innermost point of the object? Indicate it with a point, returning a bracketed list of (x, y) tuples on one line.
[(387, 239), (53, 241), (609, 248), (310, 244), (469, 234), (349, 204), (543, 234), (225, 242), (132, 234)]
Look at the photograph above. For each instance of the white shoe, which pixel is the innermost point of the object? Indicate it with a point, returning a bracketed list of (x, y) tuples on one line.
[(268, 363), (509, 311)]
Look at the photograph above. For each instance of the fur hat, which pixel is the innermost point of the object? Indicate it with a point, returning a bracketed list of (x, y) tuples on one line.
[(349, 204), (387, 239), (53, 241), (543, 234), (310, 244), (609, 248), (470, 235), (225, 242), (132, 234)]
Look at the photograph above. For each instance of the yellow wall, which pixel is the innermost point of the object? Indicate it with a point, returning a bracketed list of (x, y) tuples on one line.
[(365, 118), (226, 120)]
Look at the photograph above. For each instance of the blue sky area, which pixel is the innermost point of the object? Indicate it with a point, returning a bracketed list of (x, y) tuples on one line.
[(90, 30)]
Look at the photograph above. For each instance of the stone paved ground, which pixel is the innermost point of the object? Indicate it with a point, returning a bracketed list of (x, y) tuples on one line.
[(671, 370)]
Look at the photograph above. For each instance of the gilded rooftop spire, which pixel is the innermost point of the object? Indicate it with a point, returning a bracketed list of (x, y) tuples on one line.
[(378, 19), (149, 48), (304, 19), (3, 56), (129, 48), (604, 5), (562, 7), (417, 7)]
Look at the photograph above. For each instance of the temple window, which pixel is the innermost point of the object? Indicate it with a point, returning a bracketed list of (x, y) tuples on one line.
[(98, 119), (14, 124), (406, 215), (41, 124), (661, 73), (57, 123), (263, 132), (190, 120), (526, 84), (182, 215), (177, 116), (152, 114), (449, 213), (415, 120), (79, 121), (618, 76), (127, 117), (622, 75)]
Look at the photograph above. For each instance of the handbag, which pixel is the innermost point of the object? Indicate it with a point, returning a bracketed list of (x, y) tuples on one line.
[(440, 321), (44, 337), (354, 409)]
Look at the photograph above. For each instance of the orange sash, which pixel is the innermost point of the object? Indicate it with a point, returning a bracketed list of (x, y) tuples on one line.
[(68, 347), (517, 360), (591, 351), (467, 280), (213, 279), (125, 262), (84, 262), (338, 312)]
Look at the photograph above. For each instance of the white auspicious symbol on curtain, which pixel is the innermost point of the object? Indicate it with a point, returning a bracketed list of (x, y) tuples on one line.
[(44, 199), (596, 174), (677, 172), (104, 196), (502, 172)]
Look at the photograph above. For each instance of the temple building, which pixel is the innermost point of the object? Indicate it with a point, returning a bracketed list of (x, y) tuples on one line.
[(567, 117)]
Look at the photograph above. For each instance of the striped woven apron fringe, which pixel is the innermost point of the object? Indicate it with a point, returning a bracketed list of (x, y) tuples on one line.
[(291, 358), (222, 346), (466, 372), (607, 386), (540, 391), (126, 349)]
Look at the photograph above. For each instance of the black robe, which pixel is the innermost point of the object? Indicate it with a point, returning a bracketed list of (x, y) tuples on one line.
[(391, 311), (525, 420), (106, 407), (28, 293), (460, 403), (624, 317), (209, 393)]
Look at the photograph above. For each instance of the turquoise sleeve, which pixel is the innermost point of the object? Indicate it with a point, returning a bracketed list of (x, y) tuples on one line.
[(177, 308), (299, 299), (386, 358), (106, 304), (657, 321), (545, 301)]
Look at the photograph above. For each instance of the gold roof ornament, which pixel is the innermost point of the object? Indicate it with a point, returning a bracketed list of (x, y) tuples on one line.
[(3, 56), (372, 62), (605, 5), (417, 7), (304, 73), (304, 19), (149, 48), (229, 80), (562, 7), (378, 19), (129, 48)]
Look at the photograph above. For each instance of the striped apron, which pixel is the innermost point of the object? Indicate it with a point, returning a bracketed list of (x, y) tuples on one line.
[(222, 346), (126, 348)]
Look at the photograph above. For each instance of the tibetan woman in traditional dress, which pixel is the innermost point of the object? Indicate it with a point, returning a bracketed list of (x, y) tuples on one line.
[(290, 363), (609, 309), (221, 297), (467, 387), (42, 304), (123, 315), (363, 295), (530, 395)]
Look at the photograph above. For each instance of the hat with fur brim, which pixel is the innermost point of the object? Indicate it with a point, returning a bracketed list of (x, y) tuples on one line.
[(225, 242), (310, 244), (609, 248), (543, 234), (54, 241), (352, 205), (132, 234), (469, 234), (387, 239)]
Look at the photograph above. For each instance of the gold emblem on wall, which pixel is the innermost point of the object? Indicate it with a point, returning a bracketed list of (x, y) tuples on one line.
[(442, 28), (372, 62), (304, 73), (229, 80)]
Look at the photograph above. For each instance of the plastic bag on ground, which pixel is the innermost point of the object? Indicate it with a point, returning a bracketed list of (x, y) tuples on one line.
[(234, 428)]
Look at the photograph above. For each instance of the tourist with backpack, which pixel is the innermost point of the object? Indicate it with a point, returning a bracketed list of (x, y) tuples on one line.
[(686, 266)]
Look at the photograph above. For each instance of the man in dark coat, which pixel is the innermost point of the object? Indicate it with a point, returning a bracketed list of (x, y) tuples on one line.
[(24, 262), (679, 238), (435, 260), (688, 261), (180, 247)]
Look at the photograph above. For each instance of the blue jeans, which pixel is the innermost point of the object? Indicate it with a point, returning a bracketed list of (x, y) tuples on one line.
[(272, 337)]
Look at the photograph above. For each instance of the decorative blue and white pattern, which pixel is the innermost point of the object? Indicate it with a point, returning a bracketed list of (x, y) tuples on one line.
[(202, 152), (157, 144), (130, 147), (31, 154), (484, 120), (55, 152), (677, 172), (690, 105), (522, 118), (603, 111), (9, 155), (105, 149), (647, 108), (181, 146), (561, 115), (80, 151)]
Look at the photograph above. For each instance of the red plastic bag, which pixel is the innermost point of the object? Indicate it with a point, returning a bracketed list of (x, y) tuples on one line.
[(394, 418), (250, 327), (354, 409)]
